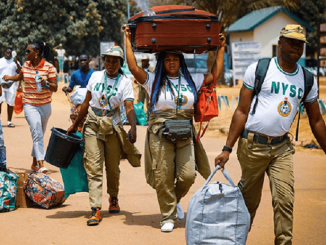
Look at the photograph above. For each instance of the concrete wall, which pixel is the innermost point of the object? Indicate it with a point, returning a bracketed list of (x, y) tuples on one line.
[(242, 37), (268, 33)]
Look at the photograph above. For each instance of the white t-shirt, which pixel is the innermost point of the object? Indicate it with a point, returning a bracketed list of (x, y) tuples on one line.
[(8, 67), (278, 99), (123, 90), (60, 52), (166, 100)]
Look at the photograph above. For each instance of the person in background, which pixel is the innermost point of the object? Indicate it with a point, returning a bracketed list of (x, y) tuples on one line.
[(61, 54), (9, 66), (81, 76), (145, 63), (170, 166), (103, 132), (141, 92), (3, 161), (37, 104), (264, 140)]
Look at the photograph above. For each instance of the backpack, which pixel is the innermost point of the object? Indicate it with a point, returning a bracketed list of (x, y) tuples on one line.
[(260, 75)]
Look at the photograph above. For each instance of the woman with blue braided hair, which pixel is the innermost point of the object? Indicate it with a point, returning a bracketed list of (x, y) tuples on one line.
[(170, 163)]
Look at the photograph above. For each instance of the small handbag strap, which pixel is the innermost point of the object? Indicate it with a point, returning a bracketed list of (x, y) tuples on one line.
[(198, 134)]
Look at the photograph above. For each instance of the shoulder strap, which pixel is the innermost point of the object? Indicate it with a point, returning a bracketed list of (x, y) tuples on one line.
[(260, 75), (308, 83)]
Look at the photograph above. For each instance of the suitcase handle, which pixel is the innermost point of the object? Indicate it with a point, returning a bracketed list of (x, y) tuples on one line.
[(175, 11), (224, 172)]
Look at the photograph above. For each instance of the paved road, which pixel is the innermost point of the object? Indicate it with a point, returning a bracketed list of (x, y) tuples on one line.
[(138, 222)]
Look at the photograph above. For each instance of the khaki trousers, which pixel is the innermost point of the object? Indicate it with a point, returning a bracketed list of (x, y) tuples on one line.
[(96, 152), (174, 171), (277, 162)]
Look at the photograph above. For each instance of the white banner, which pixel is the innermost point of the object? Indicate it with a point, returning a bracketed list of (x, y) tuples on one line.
[(104, 46), (243, 55)]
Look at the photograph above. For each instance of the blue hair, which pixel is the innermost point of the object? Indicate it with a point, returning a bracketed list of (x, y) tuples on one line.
[(161, 79)]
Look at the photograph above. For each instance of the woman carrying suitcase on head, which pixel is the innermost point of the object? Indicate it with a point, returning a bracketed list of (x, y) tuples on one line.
[(170, 165), (105, 138)]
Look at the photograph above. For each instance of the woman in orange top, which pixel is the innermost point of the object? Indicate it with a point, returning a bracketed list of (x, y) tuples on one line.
[(37, 96)]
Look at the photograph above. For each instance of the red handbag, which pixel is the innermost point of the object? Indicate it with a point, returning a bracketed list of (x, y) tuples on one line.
[(206, 106)]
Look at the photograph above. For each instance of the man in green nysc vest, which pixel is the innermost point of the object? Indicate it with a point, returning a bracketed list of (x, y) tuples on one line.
[(262, 122)]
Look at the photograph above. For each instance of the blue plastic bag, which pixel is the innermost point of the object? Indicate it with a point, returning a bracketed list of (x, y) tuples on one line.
[(140, 114)]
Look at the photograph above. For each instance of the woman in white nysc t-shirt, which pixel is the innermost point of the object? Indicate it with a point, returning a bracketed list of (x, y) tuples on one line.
[(105, 138), (170, 164)]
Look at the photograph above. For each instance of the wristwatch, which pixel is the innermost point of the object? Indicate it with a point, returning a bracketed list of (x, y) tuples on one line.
[(225, 148)]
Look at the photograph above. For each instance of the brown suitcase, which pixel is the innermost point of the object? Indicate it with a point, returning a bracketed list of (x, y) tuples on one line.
[(174, 27)]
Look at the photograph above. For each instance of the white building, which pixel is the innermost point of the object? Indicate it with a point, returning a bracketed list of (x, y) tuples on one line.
[(264, 26)]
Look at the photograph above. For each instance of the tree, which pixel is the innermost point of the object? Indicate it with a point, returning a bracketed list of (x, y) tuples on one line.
[(231, 10), (314, 13), (78, 24)]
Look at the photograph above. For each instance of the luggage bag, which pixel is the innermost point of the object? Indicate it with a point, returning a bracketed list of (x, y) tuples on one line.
[(8, 190), (44, 190), (217, 214), (174, 27)]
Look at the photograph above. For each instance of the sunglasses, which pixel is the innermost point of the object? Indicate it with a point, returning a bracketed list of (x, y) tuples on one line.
[(27, 51)]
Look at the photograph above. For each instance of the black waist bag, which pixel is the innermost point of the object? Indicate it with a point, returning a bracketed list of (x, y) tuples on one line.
[(177, 129)]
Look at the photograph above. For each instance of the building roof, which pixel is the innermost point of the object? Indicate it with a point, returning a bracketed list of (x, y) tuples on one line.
[(255, 18)]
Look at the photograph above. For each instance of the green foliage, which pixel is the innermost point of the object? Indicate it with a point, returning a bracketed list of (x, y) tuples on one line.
[(229, 10), (80, 25), (314, 13)]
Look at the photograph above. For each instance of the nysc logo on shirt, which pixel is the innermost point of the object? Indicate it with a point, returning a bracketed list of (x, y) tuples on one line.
[(284, 108), (292, 90), (181, 101), (184, 88), (100, 87)]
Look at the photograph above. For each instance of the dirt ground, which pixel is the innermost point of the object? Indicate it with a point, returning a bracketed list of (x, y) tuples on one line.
[(138, 222)]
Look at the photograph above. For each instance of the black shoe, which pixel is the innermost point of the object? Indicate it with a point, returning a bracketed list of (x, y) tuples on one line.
[(3, 169), (114, 205)]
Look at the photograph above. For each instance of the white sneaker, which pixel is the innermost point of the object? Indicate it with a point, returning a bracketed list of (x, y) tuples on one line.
[(180, 212), (167, 227)]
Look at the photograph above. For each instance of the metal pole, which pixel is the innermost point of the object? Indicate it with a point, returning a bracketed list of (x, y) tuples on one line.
[(128, 9), (124, 39), (318, 54)]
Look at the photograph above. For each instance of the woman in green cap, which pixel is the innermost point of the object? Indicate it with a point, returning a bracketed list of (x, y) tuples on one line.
[(105, 138)]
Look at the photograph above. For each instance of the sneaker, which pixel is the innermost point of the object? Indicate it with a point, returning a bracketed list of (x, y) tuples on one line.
[(114, 205), (95, 217), (10, 124), (180, 212), (167, 227)]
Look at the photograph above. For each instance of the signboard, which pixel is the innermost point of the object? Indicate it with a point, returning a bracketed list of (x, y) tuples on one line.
[(323, 51), (322, 40), (322, 63), (323, 27), (243, 55), (105, 45)]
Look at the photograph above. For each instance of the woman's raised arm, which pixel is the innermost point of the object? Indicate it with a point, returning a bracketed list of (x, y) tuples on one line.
[(219, 62), (139, 74)]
